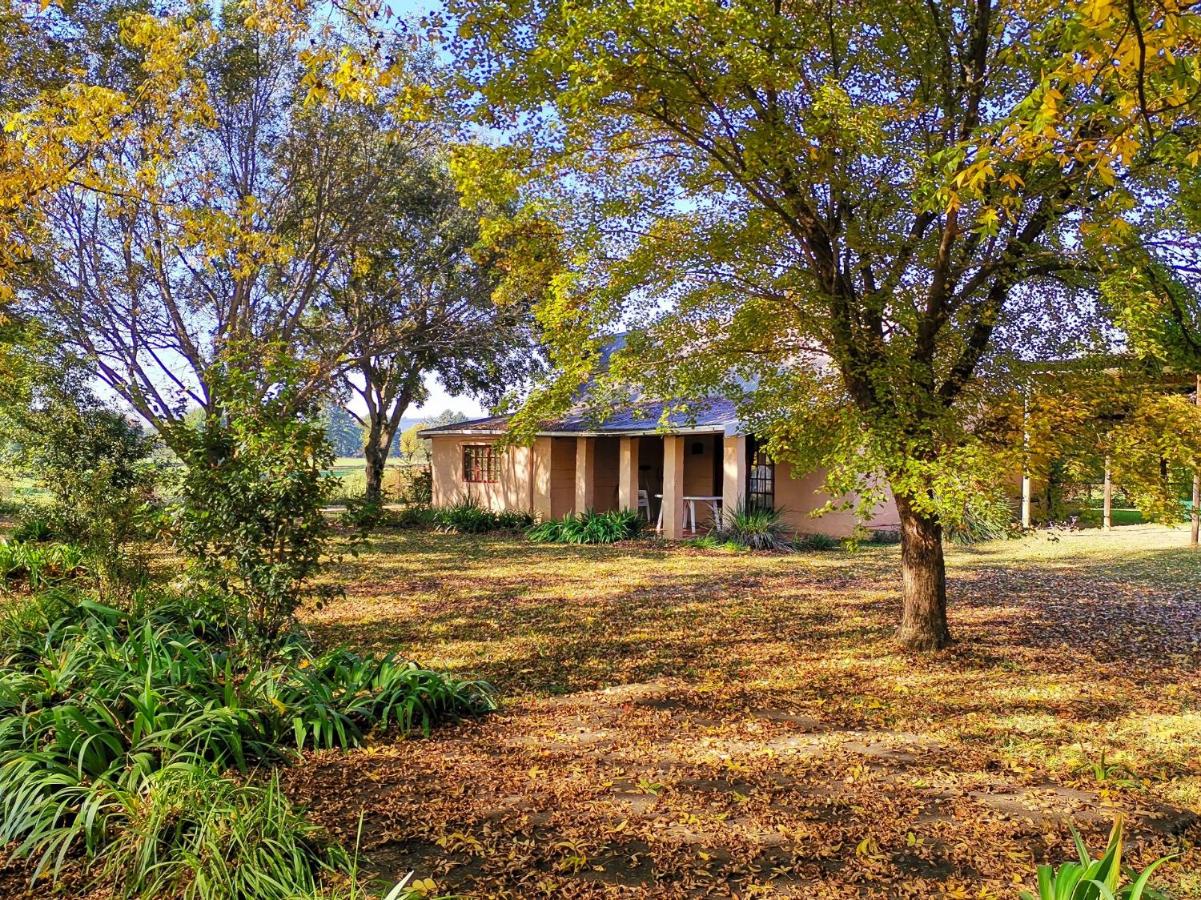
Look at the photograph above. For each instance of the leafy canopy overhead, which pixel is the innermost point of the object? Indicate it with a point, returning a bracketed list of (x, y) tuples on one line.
[(901, 194)]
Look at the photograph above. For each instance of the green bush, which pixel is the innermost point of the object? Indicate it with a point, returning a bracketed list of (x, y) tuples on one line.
[(816, 542), (988, 516), (754, 528), (96, 466), (417, 489), (363, 513), (416, 516), (1094, 879), (100, 708), (40, 564), (189, 832), (884, 536), (252, 495), (467, 516), (589, 527), (33, 525)]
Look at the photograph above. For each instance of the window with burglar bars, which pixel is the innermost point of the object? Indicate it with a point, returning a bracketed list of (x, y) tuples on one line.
[(760, 477), (479, 463)]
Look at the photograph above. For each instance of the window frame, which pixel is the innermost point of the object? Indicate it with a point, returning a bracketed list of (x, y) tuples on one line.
[(479, 463)]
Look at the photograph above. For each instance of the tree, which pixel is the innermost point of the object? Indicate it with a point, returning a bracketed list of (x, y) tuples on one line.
[(421, 303), (184, 234), (343, 431), (869, 209), (411, 443)]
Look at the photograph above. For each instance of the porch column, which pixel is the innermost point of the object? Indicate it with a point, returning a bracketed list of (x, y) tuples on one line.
[(627, 474), (673, 487), (585, 471), (1027, 487), (1195, 530), (540, 455), (1107, 508), (733, 482)]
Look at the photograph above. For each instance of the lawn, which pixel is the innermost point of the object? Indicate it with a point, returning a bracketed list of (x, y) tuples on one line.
[(701, 723)]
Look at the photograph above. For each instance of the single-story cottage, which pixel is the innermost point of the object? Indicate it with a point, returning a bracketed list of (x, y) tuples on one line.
[(679, 475)]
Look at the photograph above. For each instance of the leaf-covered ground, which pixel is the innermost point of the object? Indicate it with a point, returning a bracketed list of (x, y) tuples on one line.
[(699, 723)]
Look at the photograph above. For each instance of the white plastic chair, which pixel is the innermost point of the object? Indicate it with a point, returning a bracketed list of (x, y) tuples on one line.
[(644, 503)]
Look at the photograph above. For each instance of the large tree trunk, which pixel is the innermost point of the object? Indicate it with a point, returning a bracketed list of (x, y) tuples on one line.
[(924, 576), (375, 455)]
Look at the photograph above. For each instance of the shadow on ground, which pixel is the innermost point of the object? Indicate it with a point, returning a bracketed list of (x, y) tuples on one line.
[(682, 723)]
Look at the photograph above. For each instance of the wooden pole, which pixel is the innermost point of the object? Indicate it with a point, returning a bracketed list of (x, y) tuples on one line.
[(1195, 538), (1107, 511)]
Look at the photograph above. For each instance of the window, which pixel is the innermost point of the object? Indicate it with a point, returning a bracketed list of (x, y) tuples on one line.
[(479, 463), (760, 477)]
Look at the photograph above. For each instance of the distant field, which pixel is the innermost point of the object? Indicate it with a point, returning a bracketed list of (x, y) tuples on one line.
[(356, 462)]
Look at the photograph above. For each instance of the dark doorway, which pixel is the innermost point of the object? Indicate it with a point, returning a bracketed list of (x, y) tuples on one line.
[(760, 477)]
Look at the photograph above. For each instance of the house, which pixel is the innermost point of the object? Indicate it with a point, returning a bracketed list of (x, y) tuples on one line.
[(685, 472)]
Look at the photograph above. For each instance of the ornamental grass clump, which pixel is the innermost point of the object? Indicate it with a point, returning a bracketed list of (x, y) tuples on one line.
[(754, 528), (468, 516), (589, 527)]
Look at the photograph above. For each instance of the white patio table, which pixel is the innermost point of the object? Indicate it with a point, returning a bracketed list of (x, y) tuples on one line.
[(690, 510)]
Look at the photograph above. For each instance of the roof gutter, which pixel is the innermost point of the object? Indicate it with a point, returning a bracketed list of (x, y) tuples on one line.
[(633, 432)]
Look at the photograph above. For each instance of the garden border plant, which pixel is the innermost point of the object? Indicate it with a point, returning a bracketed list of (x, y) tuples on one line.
[(589, 527), (105, 711)]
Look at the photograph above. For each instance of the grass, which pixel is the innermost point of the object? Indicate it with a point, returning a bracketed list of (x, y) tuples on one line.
[(685, 721)]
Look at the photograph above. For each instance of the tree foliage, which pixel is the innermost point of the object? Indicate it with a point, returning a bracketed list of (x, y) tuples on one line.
[(420, 299), (255, 481), (867, 210)]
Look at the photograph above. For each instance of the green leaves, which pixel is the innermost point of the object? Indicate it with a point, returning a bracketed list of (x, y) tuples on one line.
[(115, 728), (589, 527), (1099, 879)]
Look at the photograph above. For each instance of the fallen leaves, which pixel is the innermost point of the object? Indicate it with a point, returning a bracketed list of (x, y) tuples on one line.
[(683, 724)]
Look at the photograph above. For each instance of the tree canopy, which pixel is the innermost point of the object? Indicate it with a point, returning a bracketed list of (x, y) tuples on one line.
[(866, 210)]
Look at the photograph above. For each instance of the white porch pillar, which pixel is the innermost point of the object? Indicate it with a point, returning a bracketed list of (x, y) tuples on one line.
[(540, 455), (673, 487), (585, 472), (1107, 507), (1027, 488), (1195, 529), (733, 482), (627, 474)]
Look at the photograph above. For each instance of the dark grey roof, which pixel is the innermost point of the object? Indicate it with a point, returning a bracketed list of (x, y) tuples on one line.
[(711, 414)]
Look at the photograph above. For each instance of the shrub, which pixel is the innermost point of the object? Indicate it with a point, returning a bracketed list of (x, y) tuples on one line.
[(109, 716), (753, 528), (513, 520), (589, 527), (40, 564), (252, 494), (1094, 879), (986, 517), (468, 517), (96, 466), (418, 488), (363, 513), (189, 832), (33, 525), (816, 541), (411, 517), (885, 536)]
